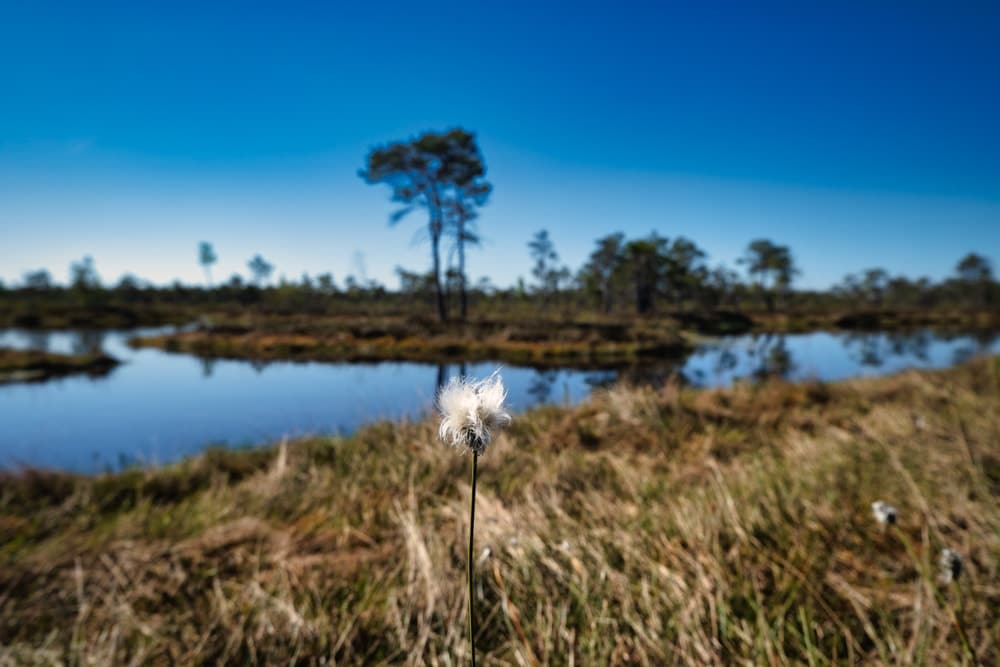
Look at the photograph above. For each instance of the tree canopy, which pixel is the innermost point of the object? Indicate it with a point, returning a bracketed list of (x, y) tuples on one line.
[(441, 172)]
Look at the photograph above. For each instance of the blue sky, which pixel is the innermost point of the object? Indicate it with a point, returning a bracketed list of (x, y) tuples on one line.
[(860, 134)]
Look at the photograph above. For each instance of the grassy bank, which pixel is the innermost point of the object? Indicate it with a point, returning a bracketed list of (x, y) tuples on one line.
[(888, 320), (35, 366), (375, 339), (642, 527), (535, 342)]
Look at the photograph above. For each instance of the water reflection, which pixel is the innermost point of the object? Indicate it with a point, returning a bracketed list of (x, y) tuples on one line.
[(38, 340), (89, 342), (446, 371), (774, 359), (541, 386), (980, 343), (874, 349), (159, 406), (653, 372), (207, 366), (829, 356)]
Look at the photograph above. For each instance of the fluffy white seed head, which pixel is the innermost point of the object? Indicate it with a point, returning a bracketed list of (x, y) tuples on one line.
[(884, 513), (951, 565), (472, 412)]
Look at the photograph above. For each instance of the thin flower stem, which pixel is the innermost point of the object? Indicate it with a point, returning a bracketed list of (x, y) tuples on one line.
[(472, 532), (956, 616)]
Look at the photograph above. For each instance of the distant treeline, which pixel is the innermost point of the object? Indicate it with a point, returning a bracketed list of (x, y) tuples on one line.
[(646, 276), (444, 176)]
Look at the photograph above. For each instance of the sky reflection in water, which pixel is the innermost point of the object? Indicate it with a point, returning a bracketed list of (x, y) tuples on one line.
[(159, 407)]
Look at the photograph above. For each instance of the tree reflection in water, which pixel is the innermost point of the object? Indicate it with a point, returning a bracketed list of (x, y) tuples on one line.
[(981, 343), (207, 366), (38, 340), (873, 350), (89, 342), (540, 388), (774, 359), (442, 375)]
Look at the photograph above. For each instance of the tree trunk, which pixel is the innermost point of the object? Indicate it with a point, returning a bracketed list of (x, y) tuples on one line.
[(436, 227), (463, 297), (439, 292), (643, 298)]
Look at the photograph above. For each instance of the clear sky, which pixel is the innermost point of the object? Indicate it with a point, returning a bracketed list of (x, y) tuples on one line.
[(861, 134)]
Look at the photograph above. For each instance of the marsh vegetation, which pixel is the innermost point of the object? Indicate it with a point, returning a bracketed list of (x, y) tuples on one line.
[(669, 526), (37, 366)]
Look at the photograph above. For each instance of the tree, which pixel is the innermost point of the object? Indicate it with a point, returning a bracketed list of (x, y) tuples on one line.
[(461, 215), (414, 283), (260, 270), (603, 271), (39, 280), (784, 270), (207, 257), (128, 284), (684, 270), (326, 283), (756, 259), (436, 172), (546, 270), (977, 273), (974, 268), (874, 284), (719, 287), (646, 263), (901, 291), (83, 274), (850, 287), (766, 262)]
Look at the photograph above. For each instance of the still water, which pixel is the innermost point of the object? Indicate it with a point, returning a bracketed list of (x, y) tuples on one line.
[(160, 407)]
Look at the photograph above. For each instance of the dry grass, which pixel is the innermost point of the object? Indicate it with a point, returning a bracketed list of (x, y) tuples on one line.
[(643, 527)]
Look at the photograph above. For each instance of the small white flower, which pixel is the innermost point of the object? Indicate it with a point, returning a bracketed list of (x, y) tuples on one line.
[(951, 565), (884, 513), (471, 412)]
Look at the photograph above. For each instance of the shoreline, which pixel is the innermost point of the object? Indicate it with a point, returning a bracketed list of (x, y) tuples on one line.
[(541, 344)]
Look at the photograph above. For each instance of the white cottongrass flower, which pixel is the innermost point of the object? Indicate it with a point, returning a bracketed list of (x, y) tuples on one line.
[(884, 513), (472, 412), (951, 565)]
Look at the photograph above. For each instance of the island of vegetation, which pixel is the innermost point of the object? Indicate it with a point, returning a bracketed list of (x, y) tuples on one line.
[(536, 343), (36, 366)]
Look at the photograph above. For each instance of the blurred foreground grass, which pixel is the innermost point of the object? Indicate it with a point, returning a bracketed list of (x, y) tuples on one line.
[(670, 526)]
